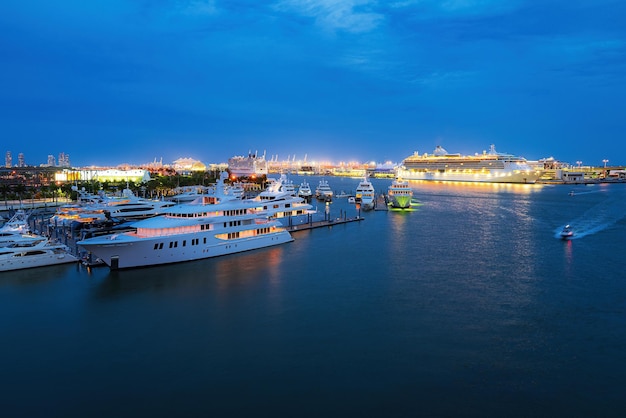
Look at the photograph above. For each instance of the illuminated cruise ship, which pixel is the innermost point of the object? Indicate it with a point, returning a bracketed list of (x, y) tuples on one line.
[(250, 166), (488, 167)]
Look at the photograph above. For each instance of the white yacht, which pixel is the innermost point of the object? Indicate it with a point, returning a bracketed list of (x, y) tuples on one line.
[(280, 198), (323, 191), (304, 191), (16, 229), (280, 185), (400, 194), (365, 194), (213, 225), (34, 253), (130, 206), (66, 215)]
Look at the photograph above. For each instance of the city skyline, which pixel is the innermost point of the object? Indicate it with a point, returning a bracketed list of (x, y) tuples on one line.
[(352, 80)]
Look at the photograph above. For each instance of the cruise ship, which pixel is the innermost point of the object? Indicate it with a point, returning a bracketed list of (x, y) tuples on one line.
[(489, 167), (213, 225), (250, 166)]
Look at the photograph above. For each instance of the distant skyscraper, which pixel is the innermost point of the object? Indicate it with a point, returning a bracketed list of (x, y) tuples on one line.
[(51, 161), (64, 160), (8, 161), (20, 160)]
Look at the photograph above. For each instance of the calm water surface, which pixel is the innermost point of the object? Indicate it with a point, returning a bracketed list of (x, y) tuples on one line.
[(468, 305)]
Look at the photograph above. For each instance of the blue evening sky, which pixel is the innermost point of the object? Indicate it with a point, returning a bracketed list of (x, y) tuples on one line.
[(130, 81)]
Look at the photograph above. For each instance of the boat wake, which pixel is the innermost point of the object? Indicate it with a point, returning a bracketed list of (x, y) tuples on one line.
[(598, 218), (573, 193)]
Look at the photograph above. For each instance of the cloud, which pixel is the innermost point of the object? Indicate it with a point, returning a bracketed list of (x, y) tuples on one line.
[(353, 16), (199, 8)]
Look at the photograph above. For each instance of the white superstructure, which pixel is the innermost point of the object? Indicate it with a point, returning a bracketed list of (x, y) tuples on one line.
[(304, 191), (323, 191), (214, 225), (399, 194), (365, 194), (489, 166)]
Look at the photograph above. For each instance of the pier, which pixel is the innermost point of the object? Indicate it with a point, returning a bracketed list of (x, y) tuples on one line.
[(322, 223)]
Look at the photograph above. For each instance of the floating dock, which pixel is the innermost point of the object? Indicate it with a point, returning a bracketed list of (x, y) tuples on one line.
[(321, 224), (381, 202)]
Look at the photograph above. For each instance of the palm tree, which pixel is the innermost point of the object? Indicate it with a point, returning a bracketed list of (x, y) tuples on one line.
[(5, 190)]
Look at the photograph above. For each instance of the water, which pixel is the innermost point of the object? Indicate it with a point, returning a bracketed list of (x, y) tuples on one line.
[(469, 305)]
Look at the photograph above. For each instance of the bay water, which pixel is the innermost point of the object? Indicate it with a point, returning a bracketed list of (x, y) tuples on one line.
[(467, 305)]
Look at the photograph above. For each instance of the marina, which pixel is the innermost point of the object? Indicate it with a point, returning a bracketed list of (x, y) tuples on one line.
[(313, 209)]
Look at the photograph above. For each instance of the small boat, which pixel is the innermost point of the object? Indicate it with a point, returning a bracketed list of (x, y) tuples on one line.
[(567, 232), (352, 199)]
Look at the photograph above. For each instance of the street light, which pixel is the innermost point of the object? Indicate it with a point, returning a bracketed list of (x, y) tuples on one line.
[(579, 163), (605, 161)]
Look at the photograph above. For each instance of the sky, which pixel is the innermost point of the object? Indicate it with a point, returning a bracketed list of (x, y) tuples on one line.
[(133, 81)]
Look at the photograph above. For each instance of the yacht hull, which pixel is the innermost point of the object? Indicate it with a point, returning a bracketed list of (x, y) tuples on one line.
[(401, 201), (123, 252)]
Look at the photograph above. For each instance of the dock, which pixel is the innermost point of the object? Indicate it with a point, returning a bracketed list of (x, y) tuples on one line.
[(323, 223), (381, 202)]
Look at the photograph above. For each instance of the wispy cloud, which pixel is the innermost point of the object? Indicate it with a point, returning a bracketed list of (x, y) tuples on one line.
[(198, 7), (354, 16)]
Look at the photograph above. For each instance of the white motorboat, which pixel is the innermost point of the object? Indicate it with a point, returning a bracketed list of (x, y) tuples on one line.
[(34, 253), (399, 194), (16, 229), (214, 225), (365, 194), (323, 191), (567, 232)]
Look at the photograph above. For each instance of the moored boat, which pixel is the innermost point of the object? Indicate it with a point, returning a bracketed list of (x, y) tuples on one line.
[(365, 194), (38, 252), (214, 225), (304, 191), (323, 191), (399, 194), (16, 229)]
